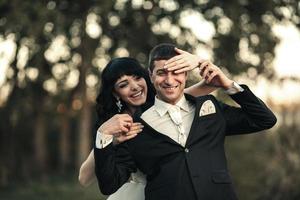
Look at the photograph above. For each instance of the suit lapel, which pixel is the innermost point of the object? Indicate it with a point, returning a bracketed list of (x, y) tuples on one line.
[(196, 132)]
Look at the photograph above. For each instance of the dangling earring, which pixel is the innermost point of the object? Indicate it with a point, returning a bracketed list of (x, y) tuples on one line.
[(119, 105)]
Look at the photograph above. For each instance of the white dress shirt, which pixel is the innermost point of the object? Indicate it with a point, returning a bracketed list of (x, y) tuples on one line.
[(174, 121)]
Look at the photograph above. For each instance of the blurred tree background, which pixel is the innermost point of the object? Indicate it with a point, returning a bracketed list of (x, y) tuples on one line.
[(51, 57)]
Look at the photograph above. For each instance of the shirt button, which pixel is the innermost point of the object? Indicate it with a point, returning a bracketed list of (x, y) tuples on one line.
[(186, 150)]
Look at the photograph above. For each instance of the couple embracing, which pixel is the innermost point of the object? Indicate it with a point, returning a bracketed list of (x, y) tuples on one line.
[(177, 140)]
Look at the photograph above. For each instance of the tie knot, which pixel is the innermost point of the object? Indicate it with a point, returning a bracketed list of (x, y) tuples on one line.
[(174, 108), (174, 112)]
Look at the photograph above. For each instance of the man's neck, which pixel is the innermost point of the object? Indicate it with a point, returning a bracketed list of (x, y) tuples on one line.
[(171, 102)]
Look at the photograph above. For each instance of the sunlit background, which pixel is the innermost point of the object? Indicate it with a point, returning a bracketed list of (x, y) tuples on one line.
[(52, 54)]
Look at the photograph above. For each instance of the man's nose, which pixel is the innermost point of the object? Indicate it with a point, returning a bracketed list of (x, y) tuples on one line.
[(169, 78)]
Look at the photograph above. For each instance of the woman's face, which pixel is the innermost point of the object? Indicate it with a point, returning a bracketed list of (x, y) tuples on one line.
[(131, 89)]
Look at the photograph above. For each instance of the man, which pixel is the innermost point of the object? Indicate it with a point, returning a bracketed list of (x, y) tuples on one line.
[(181, 148)]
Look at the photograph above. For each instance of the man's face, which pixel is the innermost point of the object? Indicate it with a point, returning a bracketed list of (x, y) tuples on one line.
[(168, 85)]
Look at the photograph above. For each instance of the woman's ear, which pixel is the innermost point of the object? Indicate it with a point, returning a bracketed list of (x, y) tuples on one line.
[(115, 95)]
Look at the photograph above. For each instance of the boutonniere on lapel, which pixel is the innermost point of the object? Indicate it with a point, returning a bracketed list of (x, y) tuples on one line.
[(207, 108)]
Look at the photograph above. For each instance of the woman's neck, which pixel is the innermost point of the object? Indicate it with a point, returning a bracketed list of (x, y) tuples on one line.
[(130, 110)]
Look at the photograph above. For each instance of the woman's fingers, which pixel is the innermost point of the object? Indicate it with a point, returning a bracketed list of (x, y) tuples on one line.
[(123, 138), (118, 123), (123, 122), (124, 117), (135, 128), (133, 132)]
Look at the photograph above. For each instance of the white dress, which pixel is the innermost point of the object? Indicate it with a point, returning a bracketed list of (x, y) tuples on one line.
[(132, 190)]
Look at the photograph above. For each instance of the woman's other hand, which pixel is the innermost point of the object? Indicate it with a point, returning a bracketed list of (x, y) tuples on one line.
[(134, 130)]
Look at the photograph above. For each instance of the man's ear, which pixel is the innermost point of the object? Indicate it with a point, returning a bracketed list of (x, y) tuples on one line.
[(150, 75)]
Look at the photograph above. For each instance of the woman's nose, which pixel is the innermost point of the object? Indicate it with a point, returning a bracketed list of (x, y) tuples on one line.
[(134, 86)]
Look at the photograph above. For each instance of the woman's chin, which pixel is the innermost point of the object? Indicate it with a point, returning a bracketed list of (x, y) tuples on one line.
[(138, 102)]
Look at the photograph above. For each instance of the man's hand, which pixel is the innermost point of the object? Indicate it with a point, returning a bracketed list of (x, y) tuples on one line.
[(186, 61), (214, 76), (183, 62)]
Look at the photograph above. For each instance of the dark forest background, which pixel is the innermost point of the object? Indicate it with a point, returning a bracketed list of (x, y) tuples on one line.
[(58, 50)]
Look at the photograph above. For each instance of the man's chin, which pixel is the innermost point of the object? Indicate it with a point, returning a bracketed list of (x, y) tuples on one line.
[(170, 99)]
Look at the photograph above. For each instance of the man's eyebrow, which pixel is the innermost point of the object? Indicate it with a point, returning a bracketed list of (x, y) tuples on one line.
[(161, 70)]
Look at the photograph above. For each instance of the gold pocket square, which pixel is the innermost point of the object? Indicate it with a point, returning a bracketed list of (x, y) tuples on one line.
[(207, 108)]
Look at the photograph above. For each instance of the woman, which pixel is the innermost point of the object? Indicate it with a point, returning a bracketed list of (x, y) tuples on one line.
[(125, 87)]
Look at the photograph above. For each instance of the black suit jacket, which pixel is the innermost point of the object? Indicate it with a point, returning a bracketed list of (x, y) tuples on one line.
[(197, 171)]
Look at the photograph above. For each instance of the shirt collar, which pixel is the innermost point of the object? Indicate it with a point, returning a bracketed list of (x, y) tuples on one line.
[(162, 107)]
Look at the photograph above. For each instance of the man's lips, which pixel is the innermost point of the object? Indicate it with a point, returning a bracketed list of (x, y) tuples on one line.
[(170, 88)]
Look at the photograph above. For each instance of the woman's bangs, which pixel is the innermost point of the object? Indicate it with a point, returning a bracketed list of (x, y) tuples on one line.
[(128, 67)]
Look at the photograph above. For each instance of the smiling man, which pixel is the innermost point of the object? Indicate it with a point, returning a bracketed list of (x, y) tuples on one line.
[(181, 148), (169, 85)]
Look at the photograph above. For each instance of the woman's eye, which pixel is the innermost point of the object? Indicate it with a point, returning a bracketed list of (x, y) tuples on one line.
[(137, 77), (123, 85)]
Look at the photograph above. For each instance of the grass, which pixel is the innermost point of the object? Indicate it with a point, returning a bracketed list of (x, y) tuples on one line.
[(51, 190)]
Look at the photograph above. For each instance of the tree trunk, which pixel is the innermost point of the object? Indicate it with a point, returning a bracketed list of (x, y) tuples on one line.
[(4, 154), (64, 141), (40, 144), (85, 123), (85, 129)]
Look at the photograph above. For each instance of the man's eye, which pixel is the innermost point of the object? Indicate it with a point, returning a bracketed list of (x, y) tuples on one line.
[(160, 73)]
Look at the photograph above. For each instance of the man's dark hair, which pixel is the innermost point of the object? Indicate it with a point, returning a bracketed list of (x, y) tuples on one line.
[(162, 51)]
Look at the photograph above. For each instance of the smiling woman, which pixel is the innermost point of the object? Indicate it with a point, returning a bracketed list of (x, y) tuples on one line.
[(125, 86), (123, 77), (132, 90)]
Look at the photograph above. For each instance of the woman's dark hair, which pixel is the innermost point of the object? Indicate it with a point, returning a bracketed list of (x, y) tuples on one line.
[(115, 69)]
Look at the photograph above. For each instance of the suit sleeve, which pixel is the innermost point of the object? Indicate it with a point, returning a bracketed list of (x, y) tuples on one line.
[(252, 116), (113, 166)]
